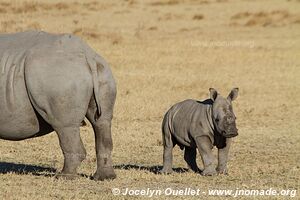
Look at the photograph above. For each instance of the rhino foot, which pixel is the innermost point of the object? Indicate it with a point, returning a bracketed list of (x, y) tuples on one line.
[(104, 174), (209, 172), (66, 176), (222, 171), (166, 171)]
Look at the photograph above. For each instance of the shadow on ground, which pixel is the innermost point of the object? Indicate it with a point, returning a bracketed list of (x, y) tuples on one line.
[(154, 169), (8, 167)]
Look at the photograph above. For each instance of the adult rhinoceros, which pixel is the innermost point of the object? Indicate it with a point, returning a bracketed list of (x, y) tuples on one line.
[(51, 82)]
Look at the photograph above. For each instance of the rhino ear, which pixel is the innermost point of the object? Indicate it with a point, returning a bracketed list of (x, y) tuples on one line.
[(213, 94), (233, 94)]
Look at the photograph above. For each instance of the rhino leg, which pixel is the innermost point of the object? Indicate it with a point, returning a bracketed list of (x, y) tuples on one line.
[(73, 151), (204, 146), (168, 150), (102, 130), (223, 157), (190, 158), (104, 147), (167, 160)]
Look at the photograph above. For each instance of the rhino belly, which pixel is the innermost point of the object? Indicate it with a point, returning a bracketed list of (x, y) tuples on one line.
[(17, 116), (14, 128), (184, 140)]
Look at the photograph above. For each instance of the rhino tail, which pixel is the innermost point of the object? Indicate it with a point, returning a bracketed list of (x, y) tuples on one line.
[(93, 67)]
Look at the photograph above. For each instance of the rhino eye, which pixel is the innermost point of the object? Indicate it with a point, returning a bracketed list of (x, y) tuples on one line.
[(217, 120)]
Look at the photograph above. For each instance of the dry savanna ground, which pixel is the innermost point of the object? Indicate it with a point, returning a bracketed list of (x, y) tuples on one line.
[(162, 52)]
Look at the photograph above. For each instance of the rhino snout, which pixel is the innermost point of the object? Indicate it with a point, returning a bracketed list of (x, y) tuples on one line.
[(231, 132)]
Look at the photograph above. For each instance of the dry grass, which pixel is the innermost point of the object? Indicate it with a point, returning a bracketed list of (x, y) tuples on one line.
[(159, 56), (198, 17), (273, 18), (165, 3)]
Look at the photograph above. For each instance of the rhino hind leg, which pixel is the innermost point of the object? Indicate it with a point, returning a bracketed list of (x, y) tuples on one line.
[(190, 158), (169, 143), (103, 150), (102, 130), (73, 151), (167, 160)]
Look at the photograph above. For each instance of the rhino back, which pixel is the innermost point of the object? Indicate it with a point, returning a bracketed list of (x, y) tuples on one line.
[(189, 119)]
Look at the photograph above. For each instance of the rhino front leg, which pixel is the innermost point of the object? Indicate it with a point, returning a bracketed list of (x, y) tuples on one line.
[(205, 149), (190, 158), (73, 151), (223, 157)]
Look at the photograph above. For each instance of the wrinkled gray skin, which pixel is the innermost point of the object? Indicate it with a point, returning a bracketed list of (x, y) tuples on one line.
[(193, 124), (52, 82)]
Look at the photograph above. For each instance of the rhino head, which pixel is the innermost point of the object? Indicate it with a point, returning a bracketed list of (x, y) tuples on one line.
[(222, 113)]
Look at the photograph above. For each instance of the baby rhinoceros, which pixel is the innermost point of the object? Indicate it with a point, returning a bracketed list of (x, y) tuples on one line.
[(195, 124)]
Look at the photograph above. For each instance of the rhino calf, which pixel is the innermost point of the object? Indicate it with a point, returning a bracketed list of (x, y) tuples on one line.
[(52, 82), (193, 124)]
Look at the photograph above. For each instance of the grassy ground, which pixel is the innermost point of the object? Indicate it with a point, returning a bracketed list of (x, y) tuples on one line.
[(162, 52)]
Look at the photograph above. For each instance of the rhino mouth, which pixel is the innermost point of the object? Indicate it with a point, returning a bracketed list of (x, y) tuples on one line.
[(230, 135)]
